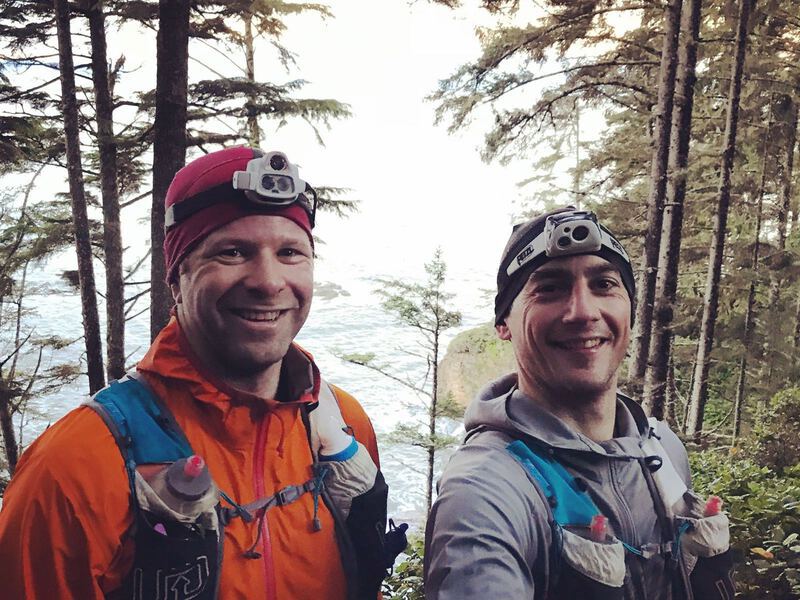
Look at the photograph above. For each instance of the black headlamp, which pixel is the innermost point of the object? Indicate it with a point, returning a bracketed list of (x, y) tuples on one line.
[(565, 234)]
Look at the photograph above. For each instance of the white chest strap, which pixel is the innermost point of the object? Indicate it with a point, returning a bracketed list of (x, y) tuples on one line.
[(670, 485), (326, 420)]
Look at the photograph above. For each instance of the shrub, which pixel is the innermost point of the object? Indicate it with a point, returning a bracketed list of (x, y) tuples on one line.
[(775, 442), (764, 509), (405, 583)]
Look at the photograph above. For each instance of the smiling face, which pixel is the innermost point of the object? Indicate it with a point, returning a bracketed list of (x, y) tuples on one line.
[(243, 294), (570, 328)]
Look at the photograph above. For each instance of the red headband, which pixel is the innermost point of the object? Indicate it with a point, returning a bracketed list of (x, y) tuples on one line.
[(202, 174)]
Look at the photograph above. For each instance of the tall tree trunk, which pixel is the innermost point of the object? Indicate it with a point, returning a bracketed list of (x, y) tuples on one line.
[(672, 223), (658, 183), (671, 414), (711, 298), (784, 209), (432, 417), (253, 130), (169, 140), (779, 261), (749, 317), (786, 197), (576, 182), (112, 236), (80, 219), (10, 444)]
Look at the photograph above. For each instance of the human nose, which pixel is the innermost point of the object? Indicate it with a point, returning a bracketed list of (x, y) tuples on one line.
[(265, 275), (581, 305)]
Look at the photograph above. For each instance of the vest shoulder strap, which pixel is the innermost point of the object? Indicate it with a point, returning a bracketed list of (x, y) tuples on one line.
[(570, 505), (142, 426)]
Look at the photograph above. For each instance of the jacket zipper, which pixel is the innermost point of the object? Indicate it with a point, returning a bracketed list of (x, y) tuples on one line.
[(258, 477), (628, 531)]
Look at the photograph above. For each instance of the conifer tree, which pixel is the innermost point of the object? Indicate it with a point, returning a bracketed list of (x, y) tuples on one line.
[(424, 307), (112, 233), (169, 141), (660, 352), (80, 220), (711, 300), (658, 184)]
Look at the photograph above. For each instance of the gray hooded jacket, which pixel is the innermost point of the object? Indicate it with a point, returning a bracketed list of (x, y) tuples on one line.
[(488, 534)]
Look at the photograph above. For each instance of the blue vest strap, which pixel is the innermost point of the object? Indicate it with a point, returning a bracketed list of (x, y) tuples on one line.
[(144, 429), (570, 505)]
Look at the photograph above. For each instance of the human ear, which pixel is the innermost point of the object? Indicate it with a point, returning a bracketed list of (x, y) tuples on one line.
[(175, 288), (503, 332)]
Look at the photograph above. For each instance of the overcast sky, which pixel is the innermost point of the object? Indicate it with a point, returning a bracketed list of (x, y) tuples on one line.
[(419, 187)]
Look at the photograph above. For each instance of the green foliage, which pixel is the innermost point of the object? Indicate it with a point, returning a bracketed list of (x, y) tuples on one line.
[(538, 75), (405, 582), (764, 510), (775, 443), (422, 306), (28, 236)]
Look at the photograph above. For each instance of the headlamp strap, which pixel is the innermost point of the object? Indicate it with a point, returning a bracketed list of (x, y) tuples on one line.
[(538, 246), (183, 210)]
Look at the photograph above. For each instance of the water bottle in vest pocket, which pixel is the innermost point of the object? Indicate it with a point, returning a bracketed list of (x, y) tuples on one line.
[(589, 569), (704, 542), (176, 532)]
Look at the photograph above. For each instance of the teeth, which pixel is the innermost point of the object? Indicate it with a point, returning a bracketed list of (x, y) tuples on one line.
[(582, 344), (259, 315)]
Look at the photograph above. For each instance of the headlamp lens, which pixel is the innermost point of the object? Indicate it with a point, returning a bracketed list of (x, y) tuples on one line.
[(277, 183), (581, 233), (277, 162), (564, 241)]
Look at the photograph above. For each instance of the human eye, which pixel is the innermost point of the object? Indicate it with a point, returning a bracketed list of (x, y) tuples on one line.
[(230, 252), (293, 250), (548, 288), (606, 283)]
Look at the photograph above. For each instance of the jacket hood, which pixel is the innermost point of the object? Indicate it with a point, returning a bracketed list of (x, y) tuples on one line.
[(502, 406)]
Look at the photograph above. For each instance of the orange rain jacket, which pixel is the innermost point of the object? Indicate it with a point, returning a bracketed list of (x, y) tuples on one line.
[(65, 521)]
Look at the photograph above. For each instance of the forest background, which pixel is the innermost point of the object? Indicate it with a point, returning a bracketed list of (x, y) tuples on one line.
[(693, 168)]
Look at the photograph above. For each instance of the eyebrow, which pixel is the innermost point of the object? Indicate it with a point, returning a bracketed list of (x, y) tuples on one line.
[(558, 272)]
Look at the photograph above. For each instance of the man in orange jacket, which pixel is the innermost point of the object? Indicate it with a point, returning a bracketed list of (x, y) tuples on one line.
[(240, 258)]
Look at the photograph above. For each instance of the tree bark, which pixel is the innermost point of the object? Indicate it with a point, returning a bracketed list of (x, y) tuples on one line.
[(666, 288), (775, 279), (10, 444), (749, 317), (253, 129), (112, 236), (169, 140), (658, 183), (432, 418), (80, 219), (786, 201), (711, 298)]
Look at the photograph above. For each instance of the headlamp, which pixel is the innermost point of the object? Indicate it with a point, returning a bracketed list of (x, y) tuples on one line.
[(269, 180), (565, 234)]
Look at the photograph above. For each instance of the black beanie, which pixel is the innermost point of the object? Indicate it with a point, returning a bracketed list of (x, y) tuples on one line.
[(508, 286)]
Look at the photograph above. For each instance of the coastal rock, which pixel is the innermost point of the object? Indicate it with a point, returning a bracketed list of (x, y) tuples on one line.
[(327, 290), (473, 358)]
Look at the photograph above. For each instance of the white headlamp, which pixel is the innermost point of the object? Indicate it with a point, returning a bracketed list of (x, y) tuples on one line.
[(270, 179)]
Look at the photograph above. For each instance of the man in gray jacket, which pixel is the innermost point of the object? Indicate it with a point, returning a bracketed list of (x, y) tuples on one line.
[(563, 488)]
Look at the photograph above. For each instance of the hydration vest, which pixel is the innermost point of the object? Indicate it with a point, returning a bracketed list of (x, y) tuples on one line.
[(590, 564), (183, 560)]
